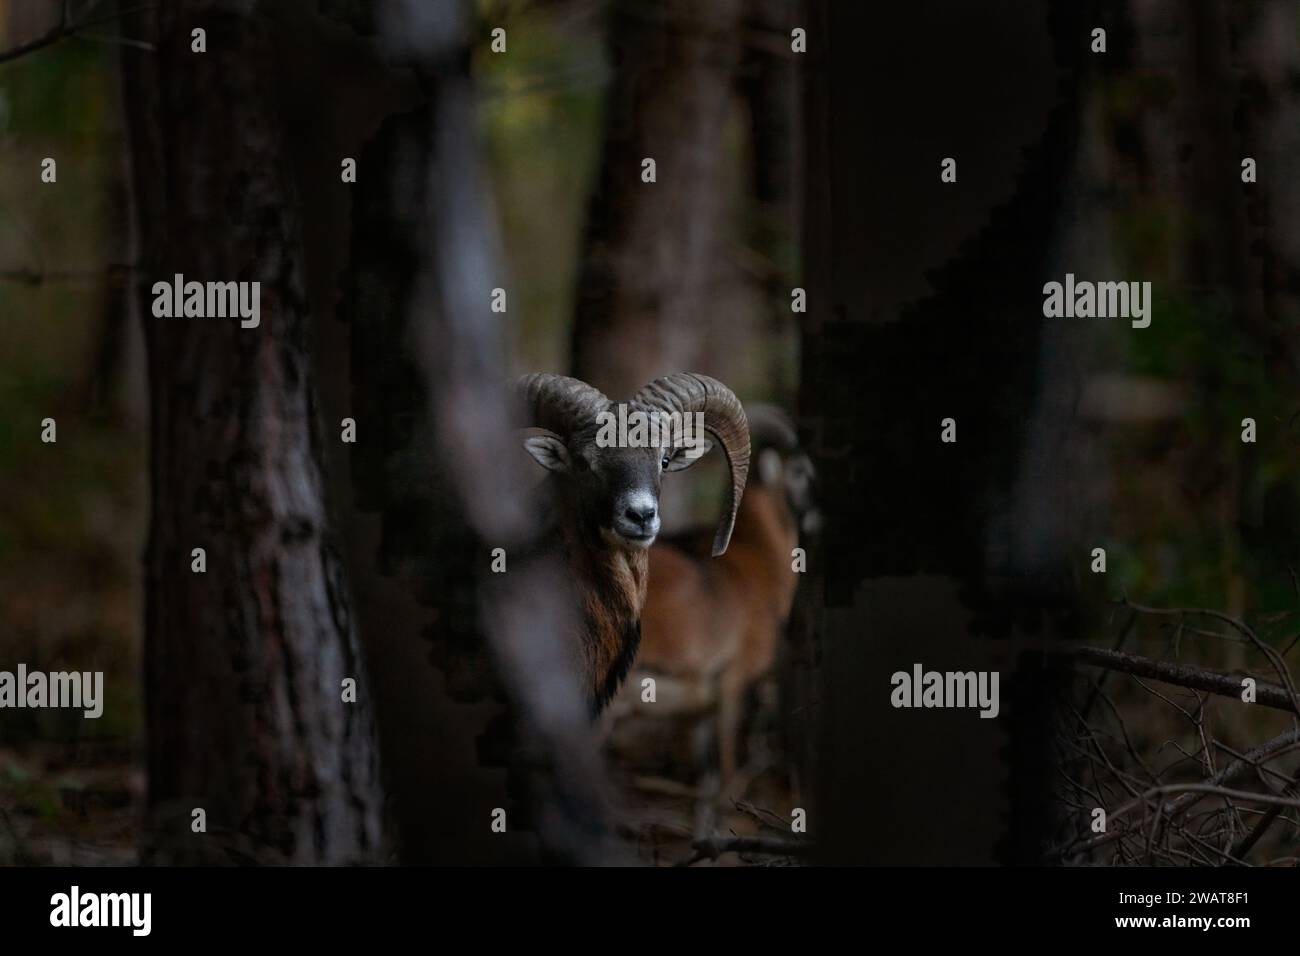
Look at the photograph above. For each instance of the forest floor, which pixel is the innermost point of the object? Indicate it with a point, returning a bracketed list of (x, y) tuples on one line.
[(666, 771), (82, 805), (69, 807)]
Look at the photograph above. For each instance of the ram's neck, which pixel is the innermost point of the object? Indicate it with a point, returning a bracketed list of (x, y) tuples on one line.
[(611, 587)]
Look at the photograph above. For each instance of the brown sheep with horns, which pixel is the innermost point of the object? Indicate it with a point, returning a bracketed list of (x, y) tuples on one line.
[(604, 500)]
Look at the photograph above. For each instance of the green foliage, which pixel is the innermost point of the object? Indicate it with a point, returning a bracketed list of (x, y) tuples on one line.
[(71, 512), (1199, 517), (59, 90), (541, 112)]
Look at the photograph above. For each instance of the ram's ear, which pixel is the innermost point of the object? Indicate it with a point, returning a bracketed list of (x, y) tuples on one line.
[(549, 452), (685, 457)]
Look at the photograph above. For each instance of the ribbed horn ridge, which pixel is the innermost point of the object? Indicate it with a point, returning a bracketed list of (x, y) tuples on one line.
[(558, 403), (724, 417)]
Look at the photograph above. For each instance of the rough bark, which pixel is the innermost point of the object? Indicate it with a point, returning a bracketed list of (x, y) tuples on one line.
[(244, 662)]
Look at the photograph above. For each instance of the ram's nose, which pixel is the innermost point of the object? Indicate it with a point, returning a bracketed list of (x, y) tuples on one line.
[(638, 519), (642, 514)]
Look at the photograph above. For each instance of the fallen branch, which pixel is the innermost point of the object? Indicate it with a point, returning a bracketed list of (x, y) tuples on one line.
[(710, 848), (1242, 628), (1184, 675)]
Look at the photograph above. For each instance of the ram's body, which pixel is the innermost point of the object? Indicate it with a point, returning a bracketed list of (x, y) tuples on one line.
[(708, 617), (710, 628)]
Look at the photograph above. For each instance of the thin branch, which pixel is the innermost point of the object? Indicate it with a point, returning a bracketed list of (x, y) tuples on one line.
[(120, 41), (53, 35), (1208, 788), (1247, 842), (1119, 644), (66, 28)]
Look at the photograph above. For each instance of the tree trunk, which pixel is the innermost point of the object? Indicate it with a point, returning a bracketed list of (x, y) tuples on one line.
[(649, 282), (925, 304), (245, 661)]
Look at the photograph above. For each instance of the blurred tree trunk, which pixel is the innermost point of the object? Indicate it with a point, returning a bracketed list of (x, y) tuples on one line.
[(117, 363), (421, 540), (925, 304), (773, 88), (772, 83), (245, 662), (442, 462), (396, 512), (648, 284)]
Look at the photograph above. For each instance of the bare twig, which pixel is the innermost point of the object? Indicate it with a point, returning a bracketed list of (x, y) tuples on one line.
[(1265, 751), (1124, 632), (51, 36)]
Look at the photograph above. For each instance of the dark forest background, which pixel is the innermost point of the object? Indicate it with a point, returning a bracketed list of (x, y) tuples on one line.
[(775, 169)]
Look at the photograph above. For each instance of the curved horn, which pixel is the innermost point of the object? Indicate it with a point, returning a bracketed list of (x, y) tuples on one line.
[(558, 403), (689, 392)]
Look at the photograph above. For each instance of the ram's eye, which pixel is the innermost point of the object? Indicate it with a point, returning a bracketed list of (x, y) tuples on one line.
[(668, 456)]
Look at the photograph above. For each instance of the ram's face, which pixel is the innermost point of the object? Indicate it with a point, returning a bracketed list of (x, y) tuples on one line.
[(620, 490), (801, 491), (793, 475), (617, 488)]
